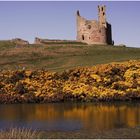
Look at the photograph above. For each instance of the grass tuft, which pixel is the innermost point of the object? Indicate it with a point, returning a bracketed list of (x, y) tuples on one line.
[(19, 133)]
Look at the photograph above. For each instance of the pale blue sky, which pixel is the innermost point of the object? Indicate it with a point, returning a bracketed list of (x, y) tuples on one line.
[(56, 20)]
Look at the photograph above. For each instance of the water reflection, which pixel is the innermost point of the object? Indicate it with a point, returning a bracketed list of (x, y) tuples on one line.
[(71, 116)]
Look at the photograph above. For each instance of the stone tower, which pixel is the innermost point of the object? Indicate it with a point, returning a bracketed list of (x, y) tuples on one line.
[(102, 15), (93, 31)]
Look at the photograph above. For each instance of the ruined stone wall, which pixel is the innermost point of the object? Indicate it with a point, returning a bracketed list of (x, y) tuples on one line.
[(90, 32), (93, 31), (53, 41), (20, 42), (37, 40), (109, 34)]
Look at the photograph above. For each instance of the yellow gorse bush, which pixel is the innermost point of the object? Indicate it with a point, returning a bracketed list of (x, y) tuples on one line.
[(114, 81)]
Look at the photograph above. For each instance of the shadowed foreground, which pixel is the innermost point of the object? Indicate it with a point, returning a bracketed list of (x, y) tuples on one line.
[(18, 133), (125, 133)]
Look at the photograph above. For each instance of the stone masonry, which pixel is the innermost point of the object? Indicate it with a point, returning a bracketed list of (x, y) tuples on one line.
[(93, 31)]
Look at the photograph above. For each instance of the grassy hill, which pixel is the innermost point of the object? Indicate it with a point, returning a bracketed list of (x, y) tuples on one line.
[(58, 57)]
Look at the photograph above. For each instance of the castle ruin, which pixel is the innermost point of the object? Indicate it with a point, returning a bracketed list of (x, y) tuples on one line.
[(93, 31), (88, 31)]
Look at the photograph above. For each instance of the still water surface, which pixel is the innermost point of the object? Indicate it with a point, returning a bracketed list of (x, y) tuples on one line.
[(70, 116)]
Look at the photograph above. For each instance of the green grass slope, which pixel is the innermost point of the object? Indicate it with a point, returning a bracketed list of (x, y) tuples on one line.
[(59, 57)]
